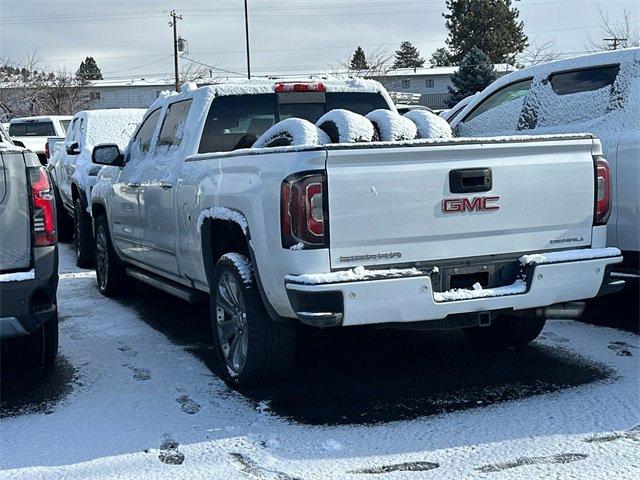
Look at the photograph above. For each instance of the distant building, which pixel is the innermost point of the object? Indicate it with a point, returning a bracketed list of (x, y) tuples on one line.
[(134, 93), (431, 83)]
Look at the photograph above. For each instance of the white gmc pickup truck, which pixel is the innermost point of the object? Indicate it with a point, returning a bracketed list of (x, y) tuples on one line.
[(491, 235)]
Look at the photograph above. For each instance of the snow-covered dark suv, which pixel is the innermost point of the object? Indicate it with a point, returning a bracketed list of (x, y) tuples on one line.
[(28, 261)]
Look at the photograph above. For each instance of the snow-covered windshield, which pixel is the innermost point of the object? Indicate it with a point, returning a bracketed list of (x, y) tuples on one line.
[(236, 121)]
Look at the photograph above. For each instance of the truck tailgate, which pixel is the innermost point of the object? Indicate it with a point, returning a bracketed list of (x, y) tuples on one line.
[(395, 205), (15, 233)]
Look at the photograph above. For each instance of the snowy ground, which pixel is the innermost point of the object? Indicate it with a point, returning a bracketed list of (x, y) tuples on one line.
[(132, 397)]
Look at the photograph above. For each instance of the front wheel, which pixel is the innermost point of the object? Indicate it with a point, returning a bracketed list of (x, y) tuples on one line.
[(506, 331), (252, 349), (110, 274), (83, 236)]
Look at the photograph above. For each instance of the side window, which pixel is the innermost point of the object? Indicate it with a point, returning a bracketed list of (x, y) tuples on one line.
[(575, 100), (80, 133), (142, 138), (173, 124), (585, 80), (236, 121), (498, 113), (71, 132)]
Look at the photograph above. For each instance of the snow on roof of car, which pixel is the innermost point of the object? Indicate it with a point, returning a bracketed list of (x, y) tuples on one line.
[(254, 86), (110, 126), (583, 61)]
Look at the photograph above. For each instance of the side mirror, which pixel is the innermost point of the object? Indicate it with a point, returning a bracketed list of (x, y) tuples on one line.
[(107, 154), (18, 143), (72, 148)]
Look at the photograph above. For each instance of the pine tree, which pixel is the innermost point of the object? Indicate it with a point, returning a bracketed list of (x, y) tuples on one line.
[(441, 58), (475, 73), (407, 56), (89, 70), (359, 60), (490, 25)]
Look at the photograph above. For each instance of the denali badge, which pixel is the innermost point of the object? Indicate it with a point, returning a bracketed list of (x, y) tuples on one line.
[(371, 256), (475, 204)]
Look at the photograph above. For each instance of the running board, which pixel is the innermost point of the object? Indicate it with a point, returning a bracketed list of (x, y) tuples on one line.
[(172, 288)]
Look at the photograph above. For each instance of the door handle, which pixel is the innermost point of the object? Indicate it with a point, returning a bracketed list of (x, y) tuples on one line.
[(166, 185)]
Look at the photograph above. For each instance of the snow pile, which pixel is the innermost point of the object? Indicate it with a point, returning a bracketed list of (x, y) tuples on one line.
[(569, 255), (18, 276), (223, 213), (354, 274), (292, 132), (391, 126), (429, 124), (519, 286), (243, 265), (343, 126)]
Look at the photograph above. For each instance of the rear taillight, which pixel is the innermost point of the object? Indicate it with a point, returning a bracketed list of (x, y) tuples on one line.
[(602, 202), (302, 211), (300, 87), (44, 216)]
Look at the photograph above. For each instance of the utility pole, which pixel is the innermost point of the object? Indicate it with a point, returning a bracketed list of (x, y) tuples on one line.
[(615, 41), (172, 23), (246, 33)]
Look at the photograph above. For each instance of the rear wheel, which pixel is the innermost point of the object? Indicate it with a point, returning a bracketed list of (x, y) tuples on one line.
[(110, 273), (252, 349), (38, 349), (506, 331), (83, 236)]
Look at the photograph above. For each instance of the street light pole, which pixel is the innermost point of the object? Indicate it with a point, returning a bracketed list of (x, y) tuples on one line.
[(246, 33)]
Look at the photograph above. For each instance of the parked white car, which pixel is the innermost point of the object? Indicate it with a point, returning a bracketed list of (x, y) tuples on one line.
[(33, 132), (597, 93), (74, 175), (325, 227)]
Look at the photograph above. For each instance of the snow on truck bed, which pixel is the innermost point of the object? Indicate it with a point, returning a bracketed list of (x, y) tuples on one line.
[(421, 142)]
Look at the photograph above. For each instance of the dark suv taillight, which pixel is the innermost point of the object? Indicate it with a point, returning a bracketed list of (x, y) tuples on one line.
[(602, 201), (303, 211), (44, 216)]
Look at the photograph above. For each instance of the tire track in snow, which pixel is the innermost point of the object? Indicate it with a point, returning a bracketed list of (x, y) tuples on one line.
[(522, 461), (398, 467), (251, 468)]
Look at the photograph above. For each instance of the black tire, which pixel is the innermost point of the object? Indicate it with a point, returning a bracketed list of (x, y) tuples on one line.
[(36, 350), (83, 236), (110, 273), (506, 331), (270, 345), (64, 221)]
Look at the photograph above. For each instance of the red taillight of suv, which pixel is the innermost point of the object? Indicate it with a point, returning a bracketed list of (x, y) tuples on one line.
[(44, 216), (302, 211), (602, 202)]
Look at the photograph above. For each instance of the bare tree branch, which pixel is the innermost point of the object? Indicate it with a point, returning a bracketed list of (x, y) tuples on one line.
[(537, 53), (628, 35)]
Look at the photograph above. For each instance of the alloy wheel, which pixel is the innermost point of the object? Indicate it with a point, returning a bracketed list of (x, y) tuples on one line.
[(231, 322)]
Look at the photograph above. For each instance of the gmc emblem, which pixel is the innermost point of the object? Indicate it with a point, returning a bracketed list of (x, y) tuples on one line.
[(475, 204)]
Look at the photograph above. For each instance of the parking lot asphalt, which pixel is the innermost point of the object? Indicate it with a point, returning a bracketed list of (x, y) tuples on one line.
[(124, 363)]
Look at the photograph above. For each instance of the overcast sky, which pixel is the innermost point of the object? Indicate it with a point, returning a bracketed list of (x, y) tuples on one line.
[(132, 38)]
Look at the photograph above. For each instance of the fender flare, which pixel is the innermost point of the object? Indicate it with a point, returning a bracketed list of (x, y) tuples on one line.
[(205, 229)]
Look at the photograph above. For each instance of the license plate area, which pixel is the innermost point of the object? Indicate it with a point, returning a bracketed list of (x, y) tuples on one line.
[(465, 275)]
